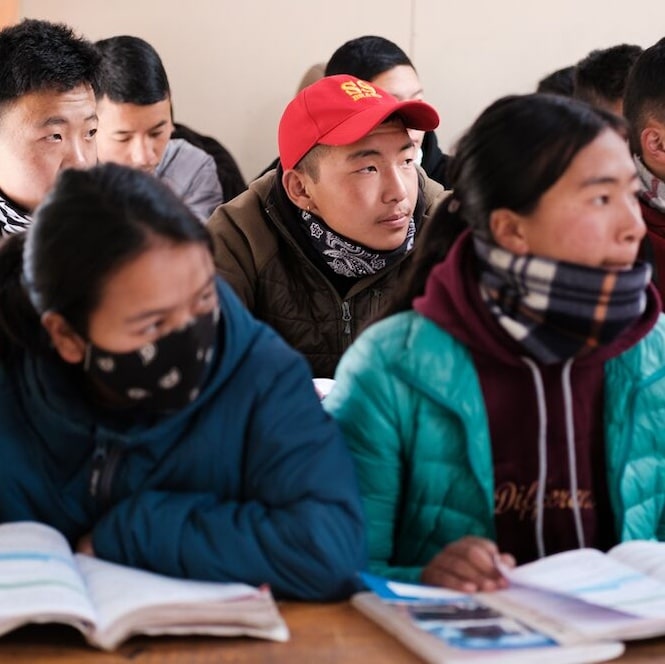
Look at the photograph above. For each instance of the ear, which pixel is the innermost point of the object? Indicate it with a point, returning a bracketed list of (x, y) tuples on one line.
[(295, 184), (70, 346), (507, 228), (652, 142)]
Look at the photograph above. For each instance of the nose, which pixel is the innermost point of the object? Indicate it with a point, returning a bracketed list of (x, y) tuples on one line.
[(632, 228), (395, 189), (81, 154), (143, 154)]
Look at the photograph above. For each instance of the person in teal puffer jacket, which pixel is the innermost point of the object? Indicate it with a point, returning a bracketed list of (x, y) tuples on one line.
[(514, 404), (148, 416)]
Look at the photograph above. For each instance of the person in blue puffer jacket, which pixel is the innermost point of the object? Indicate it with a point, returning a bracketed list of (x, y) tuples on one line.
[(148, 416)]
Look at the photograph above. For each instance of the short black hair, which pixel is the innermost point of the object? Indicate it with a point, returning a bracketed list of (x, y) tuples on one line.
[(367, 57), (644, 96), (39, 55), (560, 82), (131, 72), (600, 78)]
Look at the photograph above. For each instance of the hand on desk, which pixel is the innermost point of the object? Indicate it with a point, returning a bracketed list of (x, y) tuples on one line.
[(84, 545), (468, 565)]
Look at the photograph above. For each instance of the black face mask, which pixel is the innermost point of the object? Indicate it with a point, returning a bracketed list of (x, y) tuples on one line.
[(161, 377)]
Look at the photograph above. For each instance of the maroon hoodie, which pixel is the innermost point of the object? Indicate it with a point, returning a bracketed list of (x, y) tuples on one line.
[(653, 245), (452, 300)]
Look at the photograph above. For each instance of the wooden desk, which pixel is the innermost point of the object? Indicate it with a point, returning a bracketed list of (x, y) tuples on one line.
[(320, 634)]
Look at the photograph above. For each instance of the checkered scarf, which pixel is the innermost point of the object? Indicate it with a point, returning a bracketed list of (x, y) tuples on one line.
[(11, 220), (559, 310), (652, 189)]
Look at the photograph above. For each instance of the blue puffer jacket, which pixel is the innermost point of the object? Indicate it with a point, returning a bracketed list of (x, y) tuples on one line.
[(251, 482), (409, 401)]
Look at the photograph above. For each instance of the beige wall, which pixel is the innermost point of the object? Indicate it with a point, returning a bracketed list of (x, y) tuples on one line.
[(233, 65)]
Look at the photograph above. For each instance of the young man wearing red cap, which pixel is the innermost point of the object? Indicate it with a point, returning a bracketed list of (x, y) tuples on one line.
[(315, 247)]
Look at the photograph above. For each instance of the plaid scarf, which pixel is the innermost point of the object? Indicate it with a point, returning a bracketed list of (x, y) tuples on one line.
[(652, 189), (347, 258), (11, 220), (557, 310)]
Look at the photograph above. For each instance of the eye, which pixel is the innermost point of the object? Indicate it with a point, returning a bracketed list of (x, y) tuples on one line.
[(152, 329), (54, 138), (601, 200), (408, 162), (367, 169), (156, 134)]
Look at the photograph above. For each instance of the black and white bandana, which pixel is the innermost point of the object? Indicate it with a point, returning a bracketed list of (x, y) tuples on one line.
[(12, 220), (347, 258)]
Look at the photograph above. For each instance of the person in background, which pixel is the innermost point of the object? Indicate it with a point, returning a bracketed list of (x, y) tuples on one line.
[(317, 247), (384, 64), (600, 78), (560, 82), (147, 416), (644, 109), (135, 124), (512, 408), (47, 114)]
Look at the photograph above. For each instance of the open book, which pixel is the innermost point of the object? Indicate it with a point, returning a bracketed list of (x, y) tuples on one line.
[(41, 580), (570, 607)]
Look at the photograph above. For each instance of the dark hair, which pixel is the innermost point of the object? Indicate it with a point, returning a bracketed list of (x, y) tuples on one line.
[(367, 57), (38, 55), (91, 224), (560, 82), (600, 78), (512, 154), (644, 96), (131, 72)]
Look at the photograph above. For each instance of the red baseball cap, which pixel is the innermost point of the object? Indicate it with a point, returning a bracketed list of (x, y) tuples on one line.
[(340, 110)]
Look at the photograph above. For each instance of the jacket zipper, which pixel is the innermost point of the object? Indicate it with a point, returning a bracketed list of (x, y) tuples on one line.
[(346, 317), (105, 460)]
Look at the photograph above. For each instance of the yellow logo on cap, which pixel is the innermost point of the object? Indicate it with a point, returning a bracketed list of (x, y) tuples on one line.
[(359, 90)]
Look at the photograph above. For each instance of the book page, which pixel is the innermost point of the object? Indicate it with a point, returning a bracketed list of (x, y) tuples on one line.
[(597, 578), (646, 556), (130, 601), (39, 581)]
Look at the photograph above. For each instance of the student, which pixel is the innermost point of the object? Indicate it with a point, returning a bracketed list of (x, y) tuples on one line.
[(560, 82), (515, 408), (147, 416), (316, 247), (600, 78), (135, 124), (644, 108), (384, 64), (47, 114)]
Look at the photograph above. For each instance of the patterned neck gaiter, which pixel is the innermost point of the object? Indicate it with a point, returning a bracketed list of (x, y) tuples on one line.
[(652, 189), (557, 310), (347, 258), (12, 220), (160, 377)]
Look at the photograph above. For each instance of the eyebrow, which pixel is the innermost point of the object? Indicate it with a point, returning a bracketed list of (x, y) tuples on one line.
[(144, 315), (57, 120), (606, 179), (159, 125), (360, 154)]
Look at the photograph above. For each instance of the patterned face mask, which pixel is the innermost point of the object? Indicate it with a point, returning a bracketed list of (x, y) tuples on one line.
[(163, 376)]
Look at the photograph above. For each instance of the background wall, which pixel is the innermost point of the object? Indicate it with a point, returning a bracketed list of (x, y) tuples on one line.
[(233, 66)]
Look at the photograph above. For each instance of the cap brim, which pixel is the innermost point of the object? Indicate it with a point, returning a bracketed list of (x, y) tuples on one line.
[(415, 115)]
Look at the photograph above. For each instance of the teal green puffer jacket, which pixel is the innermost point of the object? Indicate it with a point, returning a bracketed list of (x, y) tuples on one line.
[(409, 401)]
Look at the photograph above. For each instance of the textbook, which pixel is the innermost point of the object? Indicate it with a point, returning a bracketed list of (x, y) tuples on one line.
[(42, 581), (574, 606), (443, 626)]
